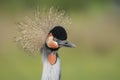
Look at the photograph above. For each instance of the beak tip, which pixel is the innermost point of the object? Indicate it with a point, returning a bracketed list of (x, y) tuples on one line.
[(67, 44), (73, 45)]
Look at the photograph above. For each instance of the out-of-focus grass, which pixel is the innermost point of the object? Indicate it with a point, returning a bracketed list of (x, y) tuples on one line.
[(96, 57), (90, 67), (16, 65)]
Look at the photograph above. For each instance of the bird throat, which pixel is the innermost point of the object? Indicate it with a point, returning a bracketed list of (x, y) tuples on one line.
[(52, 58)]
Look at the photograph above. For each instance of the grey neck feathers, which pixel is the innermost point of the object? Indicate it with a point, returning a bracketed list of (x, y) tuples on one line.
[(50, 72)]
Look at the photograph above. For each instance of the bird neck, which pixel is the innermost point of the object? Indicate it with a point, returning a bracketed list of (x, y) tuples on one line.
[(51, 70)]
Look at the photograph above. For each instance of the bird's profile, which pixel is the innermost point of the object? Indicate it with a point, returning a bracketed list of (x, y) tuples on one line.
[(51, 63), (46, 33)]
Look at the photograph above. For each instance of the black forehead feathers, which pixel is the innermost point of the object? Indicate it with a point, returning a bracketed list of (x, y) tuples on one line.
[(59, 32)]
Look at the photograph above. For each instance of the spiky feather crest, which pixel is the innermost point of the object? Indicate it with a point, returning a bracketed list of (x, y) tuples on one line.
[(33, 31)]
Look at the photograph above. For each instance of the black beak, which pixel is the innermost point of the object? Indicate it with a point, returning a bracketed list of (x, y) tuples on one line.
[(67, 44)]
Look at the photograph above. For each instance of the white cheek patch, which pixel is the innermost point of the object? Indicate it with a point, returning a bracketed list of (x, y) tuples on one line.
[(51, 43), (55, 43), (49, 39)]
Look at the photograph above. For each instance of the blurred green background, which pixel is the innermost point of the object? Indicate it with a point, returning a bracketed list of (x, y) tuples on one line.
[(95, 30)]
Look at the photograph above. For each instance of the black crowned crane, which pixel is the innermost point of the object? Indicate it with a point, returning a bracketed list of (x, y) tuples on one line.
[(46, 33), (51, 62)]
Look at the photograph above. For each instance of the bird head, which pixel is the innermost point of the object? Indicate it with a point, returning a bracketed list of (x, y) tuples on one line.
[(57, 38)]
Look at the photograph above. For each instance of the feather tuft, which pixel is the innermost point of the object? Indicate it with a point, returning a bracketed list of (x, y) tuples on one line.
[(33, 31)]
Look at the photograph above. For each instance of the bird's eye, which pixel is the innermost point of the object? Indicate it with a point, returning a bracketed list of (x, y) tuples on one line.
[(66, 43), (55, 39)]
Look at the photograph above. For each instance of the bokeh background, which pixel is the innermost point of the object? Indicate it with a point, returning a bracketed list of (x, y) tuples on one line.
[(95, 30)]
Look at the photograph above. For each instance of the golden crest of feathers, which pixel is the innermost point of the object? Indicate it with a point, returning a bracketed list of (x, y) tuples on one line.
[(33, 31)]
